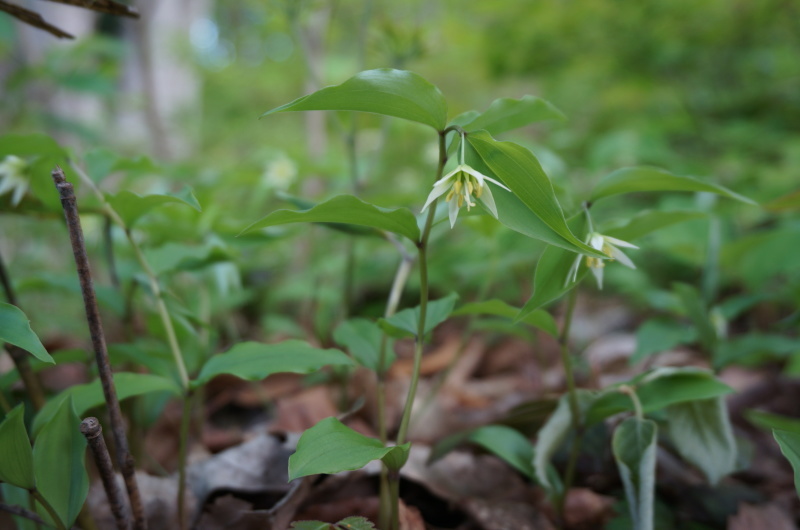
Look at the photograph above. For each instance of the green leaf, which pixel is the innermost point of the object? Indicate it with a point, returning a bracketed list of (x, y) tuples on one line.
[(131, 206), (539, 318), (506, 114), (363, 339), (397, 93), (355, 523), (551, 279), (766, 420), (518, 169), (697, 311), (637, 179), (658, 389), (702, 434), (346, 209), (254, 361), (58, 461), (90, 395), (181, 256), (553, 434), (790, 447), (15, 328), (755, 348), (658, 335), (16, 465), (634, 447), (406, 321), (353, 230), (646, 222), (508, 444), (330, 447)]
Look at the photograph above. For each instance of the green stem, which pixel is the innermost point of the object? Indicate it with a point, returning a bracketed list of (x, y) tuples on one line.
[(186, 421), (49, 508), (166, 321), (577, 427), (4, 404), (637, 405)]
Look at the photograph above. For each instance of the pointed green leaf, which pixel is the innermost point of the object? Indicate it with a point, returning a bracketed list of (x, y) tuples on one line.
[(790, 447), (646, 222), (634, 447), (508, 444), (310, 525), (131, 206), (397, 93), (767, 420), (698, 313), (58, 461), (637, 179), (658, 389), (353, 230), (15, 328), (363, 339), (518, 169), (406, 321), (346, 209), (90, 395), (254, 361), (506, 114), (552, 434), (16, 464), (355, 523), (539, 318), (551, 279), (702, 434), (330, 447), (657, 335)]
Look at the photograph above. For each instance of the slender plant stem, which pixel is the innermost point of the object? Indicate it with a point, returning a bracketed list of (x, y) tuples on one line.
[(161, 307), (637, 405), (186, 421), (19, 511), (124, 458), (4, 404), (91, 429), (575, 418), (422, 248), (49, 509), (21, 358)]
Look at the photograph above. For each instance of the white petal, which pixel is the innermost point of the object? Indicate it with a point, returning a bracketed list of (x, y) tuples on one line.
[(621, 257), (596, 241), (439, 189), (488, 201), (453, 211), (493, 181), (598, 275), (619, 242), (572, 275)]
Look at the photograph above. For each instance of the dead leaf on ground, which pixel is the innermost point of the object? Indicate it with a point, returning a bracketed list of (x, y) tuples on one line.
[(766, 516)]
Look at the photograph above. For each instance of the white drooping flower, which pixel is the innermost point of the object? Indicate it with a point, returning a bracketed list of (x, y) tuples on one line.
[(13, 179), (608, 246), (461, 185)]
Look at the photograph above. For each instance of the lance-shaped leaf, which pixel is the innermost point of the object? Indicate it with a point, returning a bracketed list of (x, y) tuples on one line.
[(16, 465), (385, 91), (646, 222), (407, 321), (508, 444), (363, 339), (637, 179), (254, 361), (702, 434), (58, 460), (15, 328), (518, 169), (331, 447), (506, 114), (349, 210), (634, 447), (789, 443), (540, 319), (553, 434), (90, 395), (131, 206), (658, 389)]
